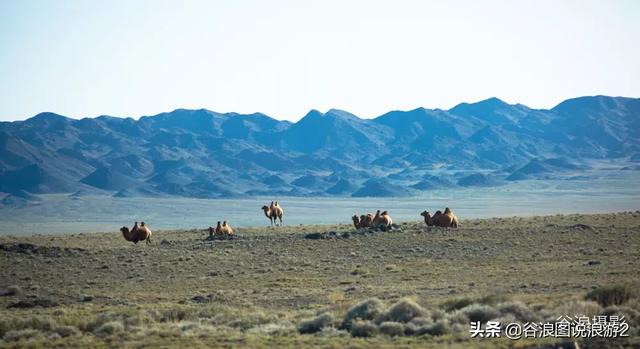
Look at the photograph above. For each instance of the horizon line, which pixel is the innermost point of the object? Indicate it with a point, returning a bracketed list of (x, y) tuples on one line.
[(137, 118)]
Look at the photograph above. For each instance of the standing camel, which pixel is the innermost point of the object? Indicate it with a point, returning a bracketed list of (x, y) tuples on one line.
[(274, 212)]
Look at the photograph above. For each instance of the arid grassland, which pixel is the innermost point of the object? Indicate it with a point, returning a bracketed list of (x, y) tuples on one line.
[(412, 287)]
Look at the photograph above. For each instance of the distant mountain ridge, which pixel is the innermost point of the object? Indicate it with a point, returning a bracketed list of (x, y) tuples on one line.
[(201, 153)]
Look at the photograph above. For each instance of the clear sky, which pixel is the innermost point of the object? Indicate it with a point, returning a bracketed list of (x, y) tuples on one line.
[(133, 58)]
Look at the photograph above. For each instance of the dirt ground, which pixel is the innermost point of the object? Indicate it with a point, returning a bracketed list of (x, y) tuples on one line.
[(256, 290)]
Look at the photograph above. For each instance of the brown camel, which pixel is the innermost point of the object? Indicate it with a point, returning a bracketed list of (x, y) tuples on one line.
[(356, 221), (436, 218), (366, 220), (137, 233), (218, 230), (268, 213), (428, 220)]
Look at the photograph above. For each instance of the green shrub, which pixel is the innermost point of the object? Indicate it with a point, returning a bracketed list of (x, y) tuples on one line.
[(480, 312), (66, 331), (316, 324), (612, 295), (363, 329), (391, 328), (437, 328), (25, 334), (457, 303), (365, 310), (403, 311), (109, 328), (519, 310)]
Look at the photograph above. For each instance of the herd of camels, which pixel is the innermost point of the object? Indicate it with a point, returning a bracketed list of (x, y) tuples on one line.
[(275, 212)]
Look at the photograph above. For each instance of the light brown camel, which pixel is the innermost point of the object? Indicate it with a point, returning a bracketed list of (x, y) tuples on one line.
[(376, 219), (448, 219), (277, 212), (226, 229), (385, 220), (381, 219), (428, 220), (137, 233)]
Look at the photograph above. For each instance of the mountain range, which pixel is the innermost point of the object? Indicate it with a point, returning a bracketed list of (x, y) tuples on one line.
[(205, 154)]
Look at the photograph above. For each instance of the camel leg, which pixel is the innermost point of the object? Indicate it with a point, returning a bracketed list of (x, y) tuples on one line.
[(280, 220)]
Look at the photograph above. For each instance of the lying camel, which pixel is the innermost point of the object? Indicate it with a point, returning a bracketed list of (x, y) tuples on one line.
[(356, 221), (226, 229), (385, 220), (137, 233), (366, 220), (448, 219), (376, 219), (381, 219)]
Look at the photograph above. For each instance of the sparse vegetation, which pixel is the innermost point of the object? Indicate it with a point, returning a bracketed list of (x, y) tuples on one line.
[(612, 295), (277, 289)]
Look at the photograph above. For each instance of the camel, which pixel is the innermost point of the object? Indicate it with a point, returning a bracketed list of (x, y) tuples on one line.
[(428, 220), (226, 229), (137, 233), (366, 220), (274, 212), (356, 221), (385, 220), (218, 230), (277, 212), (376, 219), (448, 219), (268, 213), (436, 218), (381, 219)]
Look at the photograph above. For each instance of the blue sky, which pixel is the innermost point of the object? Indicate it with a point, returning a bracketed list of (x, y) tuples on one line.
[(134, 58)]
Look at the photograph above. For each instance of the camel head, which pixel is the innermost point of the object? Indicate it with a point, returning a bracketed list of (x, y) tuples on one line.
[(265, 208), (355, 219), (425, 214), (124, 230), (384, 213)]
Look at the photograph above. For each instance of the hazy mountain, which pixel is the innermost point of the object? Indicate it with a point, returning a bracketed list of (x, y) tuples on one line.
[(201, 153)]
